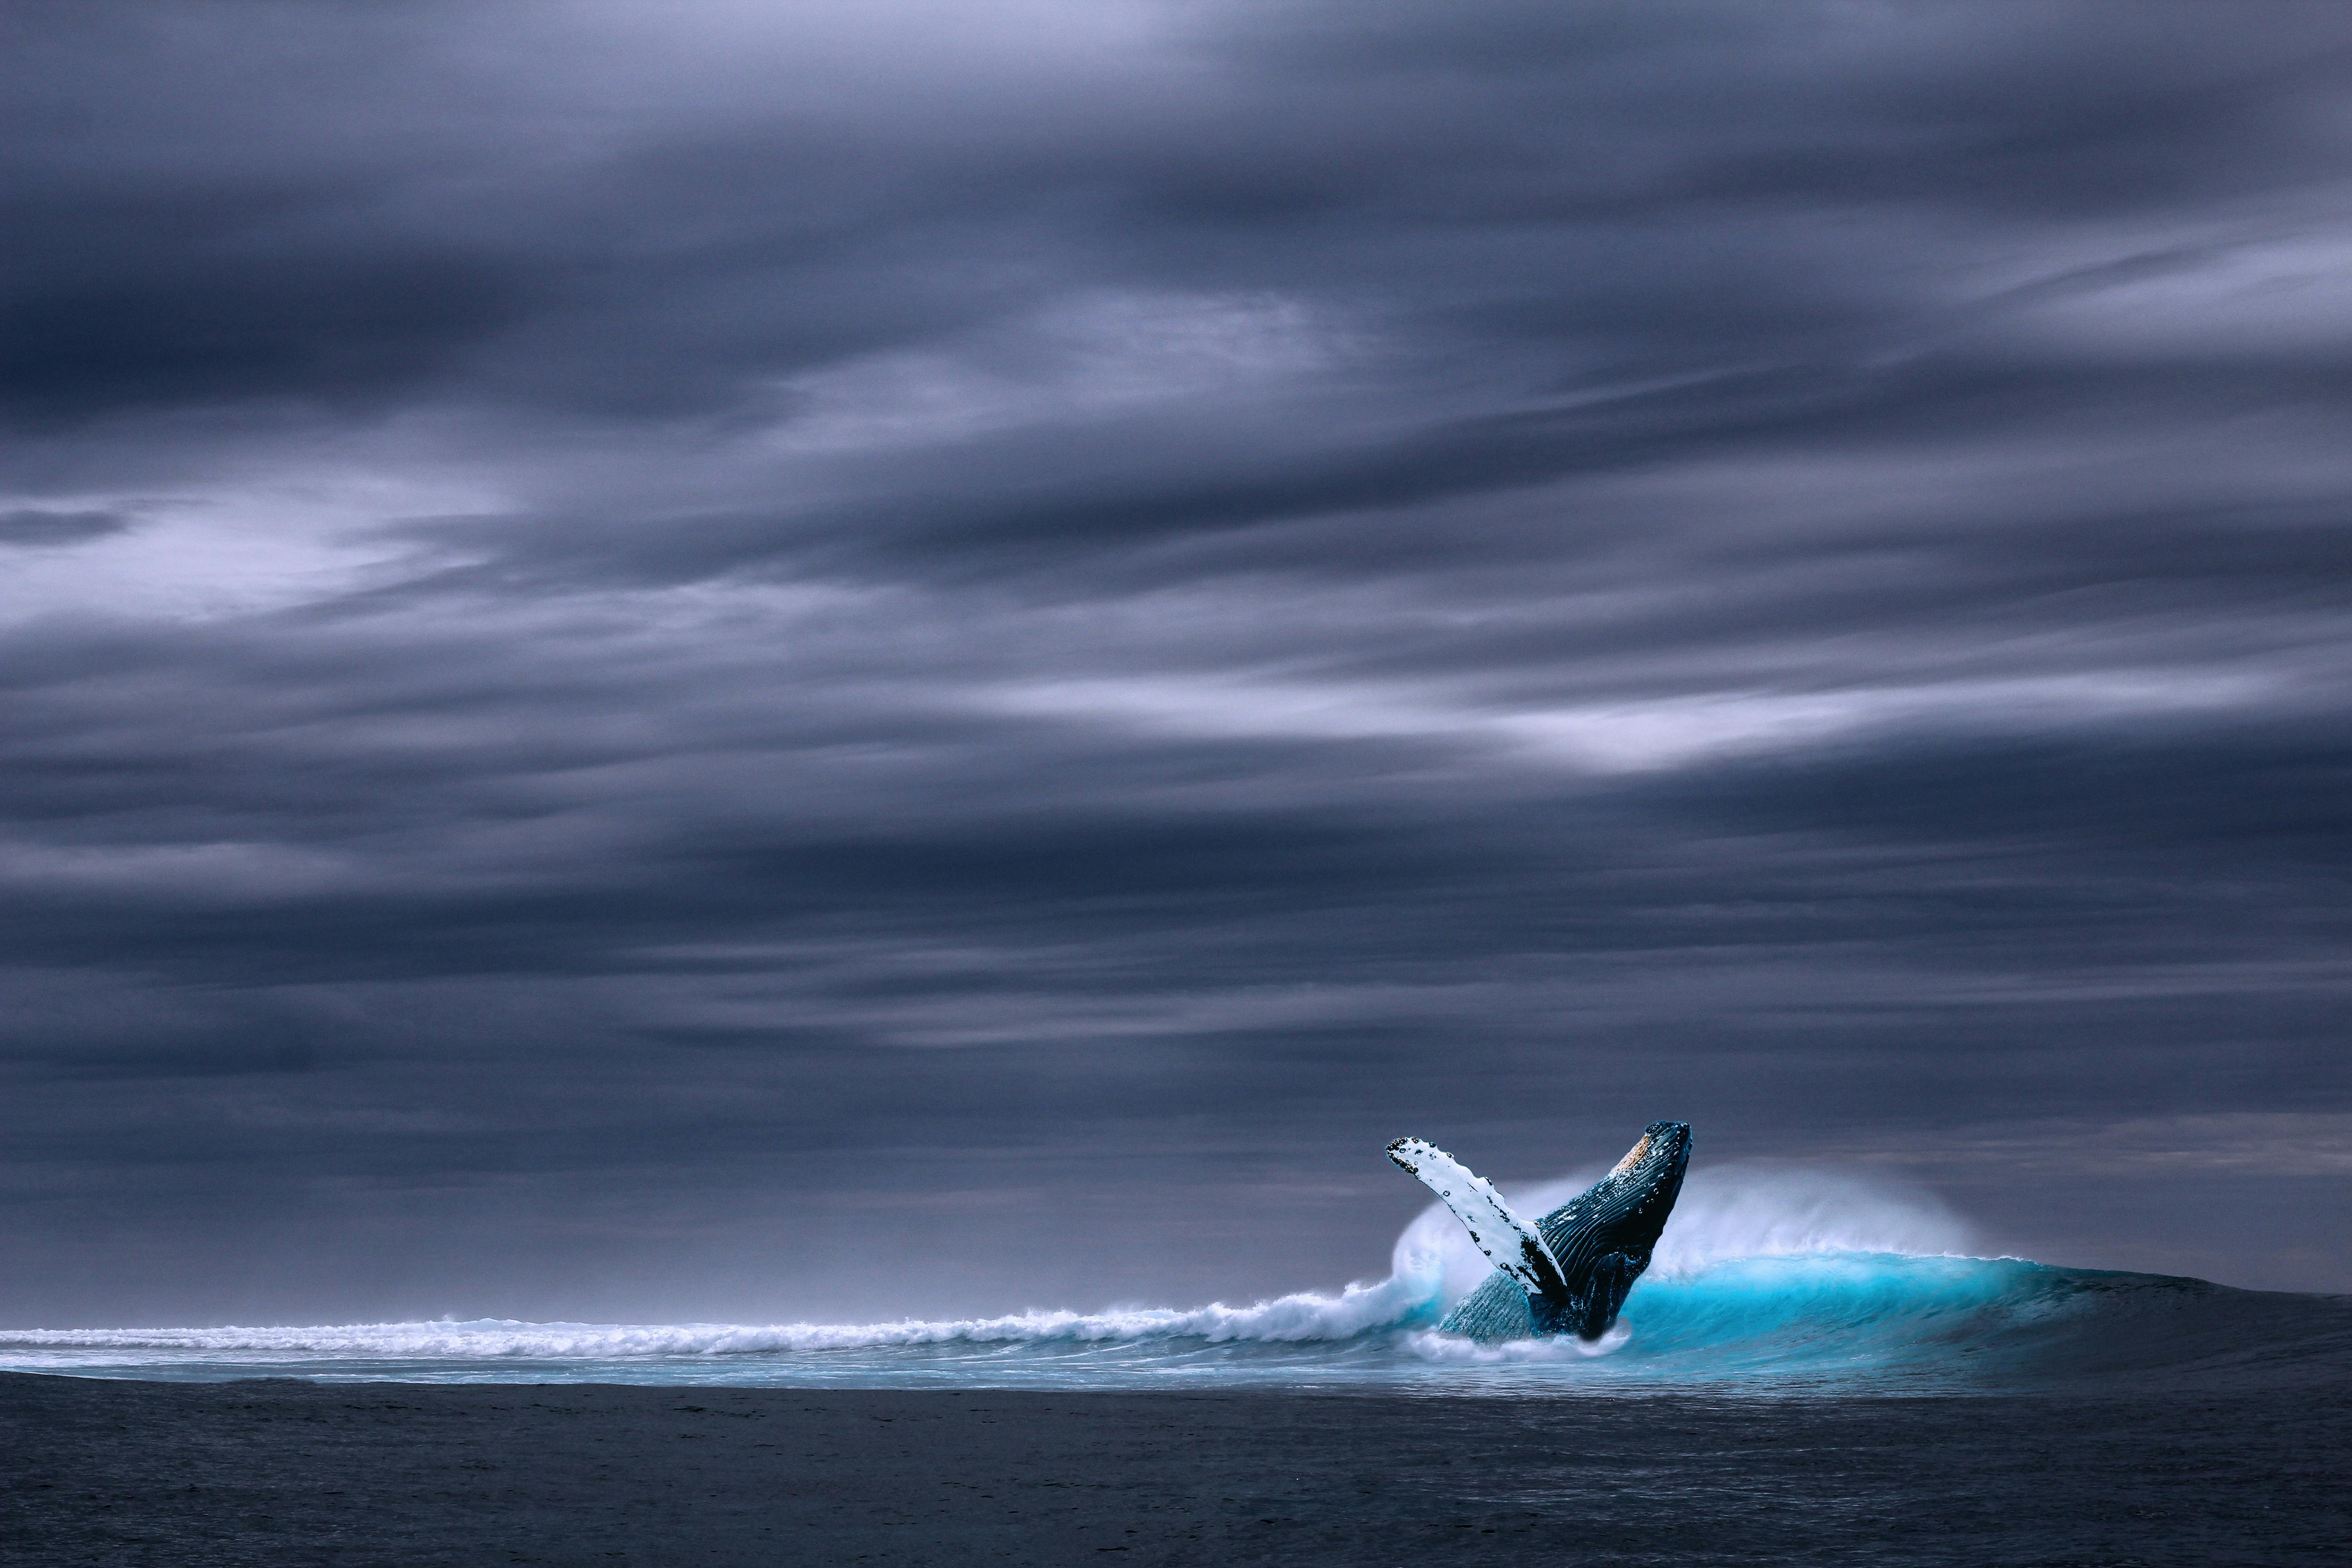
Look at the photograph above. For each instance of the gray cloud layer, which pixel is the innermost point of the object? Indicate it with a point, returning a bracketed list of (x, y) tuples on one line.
[(642, 648)]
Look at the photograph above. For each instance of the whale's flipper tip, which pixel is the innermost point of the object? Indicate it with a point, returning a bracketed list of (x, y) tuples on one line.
[(1410, 1152)]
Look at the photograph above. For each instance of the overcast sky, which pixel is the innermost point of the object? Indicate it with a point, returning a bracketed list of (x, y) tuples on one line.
[(765, 661)]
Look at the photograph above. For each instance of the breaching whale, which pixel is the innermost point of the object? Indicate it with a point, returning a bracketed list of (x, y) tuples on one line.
[(1568, 1272)]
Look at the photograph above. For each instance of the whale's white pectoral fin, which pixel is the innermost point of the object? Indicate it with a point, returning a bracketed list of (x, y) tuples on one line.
[(1511, 1242)]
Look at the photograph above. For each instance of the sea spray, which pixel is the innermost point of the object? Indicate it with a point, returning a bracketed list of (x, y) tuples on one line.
[(1726, 1211)]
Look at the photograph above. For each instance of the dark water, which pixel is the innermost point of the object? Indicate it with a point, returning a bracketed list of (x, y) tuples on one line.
[(117, 1472), (1856, 1409), (1828, 1408)]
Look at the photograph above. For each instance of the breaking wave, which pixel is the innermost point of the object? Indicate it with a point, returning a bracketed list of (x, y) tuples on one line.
[(1765, 1278), (1357, 1309)]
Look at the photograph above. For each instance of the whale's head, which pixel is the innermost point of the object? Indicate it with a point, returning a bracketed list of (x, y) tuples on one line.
[(1660, 1154), (1628, 1208)]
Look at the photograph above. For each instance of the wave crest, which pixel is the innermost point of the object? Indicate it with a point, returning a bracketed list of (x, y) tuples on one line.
[(1302, 1317)]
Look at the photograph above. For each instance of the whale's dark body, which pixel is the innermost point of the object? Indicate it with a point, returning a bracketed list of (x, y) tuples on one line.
[(1602, 1238)]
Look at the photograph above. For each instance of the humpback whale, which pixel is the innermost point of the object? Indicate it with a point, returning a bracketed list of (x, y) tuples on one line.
[(1568, 1272)]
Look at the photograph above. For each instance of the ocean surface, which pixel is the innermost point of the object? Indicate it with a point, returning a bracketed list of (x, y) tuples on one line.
[(1767, 1282), (1821, 1322)]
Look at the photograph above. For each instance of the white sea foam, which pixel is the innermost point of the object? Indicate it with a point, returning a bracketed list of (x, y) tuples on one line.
[(1305, 1316), (1430, 1345)]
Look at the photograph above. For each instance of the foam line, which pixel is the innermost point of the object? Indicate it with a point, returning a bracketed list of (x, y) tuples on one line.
[(1302, 1317)]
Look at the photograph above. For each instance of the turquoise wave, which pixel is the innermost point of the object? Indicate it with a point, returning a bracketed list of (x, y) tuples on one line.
[(1853, 1310)]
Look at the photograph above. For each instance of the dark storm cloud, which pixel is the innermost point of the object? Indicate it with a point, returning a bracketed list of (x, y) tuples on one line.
[(33, 525), (1025, 600)]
